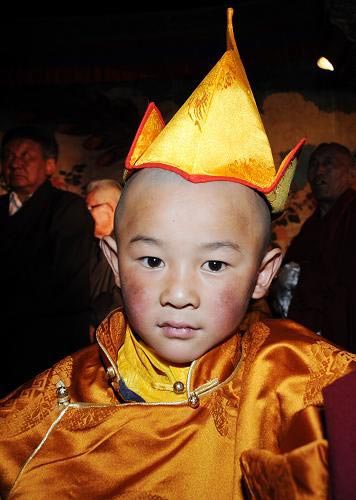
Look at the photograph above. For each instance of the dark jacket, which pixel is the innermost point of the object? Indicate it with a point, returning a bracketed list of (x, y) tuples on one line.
[(44, 269), (325, 297)]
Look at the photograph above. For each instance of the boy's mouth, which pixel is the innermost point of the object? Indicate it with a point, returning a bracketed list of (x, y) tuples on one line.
[(179, 330)]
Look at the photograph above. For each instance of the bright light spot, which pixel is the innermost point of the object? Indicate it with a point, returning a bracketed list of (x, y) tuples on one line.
[(324, 63)]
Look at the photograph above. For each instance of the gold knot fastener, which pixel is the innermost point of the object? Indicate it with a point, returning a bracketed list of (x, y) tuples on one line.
[(63, 397)]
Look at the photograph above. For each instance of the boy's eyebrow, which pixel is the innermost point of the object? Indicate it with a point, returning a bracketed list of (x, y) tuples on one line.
[(145, 239), (215, 245)]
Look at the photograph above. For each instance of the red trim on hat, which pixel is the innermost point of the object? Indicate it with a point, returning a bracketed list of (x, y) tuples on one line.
[(146, 116), (198, 178), (284, 165)]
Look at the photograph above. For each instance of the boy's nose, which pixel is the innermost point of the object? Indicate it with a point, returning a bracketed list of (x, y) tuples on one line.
[(180, 291)]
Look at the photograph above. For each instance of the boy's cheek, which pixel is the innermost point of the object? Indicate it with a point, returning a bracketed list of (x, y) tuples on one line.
[(230, 305), (136, 294)]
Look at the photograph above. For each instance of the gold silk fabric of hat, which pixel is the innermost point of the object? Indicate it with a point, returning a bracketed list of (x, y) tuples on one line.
[(217, 134)]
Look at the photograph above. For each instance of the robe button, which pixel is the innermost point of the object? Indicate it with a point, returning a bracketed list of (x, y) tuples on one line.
[(110, 373), (193, 400), (63, 397), (178, 387)]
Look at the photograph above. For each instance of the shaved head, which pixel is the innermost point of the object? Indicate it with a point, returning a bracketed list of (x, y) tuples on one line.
[(248, 204)]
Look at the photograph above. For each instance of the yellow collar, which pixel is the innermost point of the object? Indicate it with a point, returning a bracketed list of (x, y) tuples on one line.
[(147, 375)]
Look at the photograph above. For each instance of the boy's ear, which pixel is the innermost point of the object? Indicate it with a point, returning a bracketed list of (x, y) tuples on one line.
[(268, 269), (115, 268), (117, 279), (116, 238)]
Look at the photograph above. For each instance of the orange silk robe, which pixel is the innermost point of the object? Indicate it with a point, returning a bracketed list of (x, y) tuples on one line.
[(259, 425)]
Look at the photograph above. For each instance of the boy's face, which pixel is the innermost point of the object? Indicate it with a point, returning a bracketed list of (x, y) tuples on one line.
[(189, 262)]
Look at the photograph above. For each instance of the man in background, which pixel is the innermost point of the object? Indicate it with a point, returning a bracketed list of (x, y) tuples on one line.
[(102, 198), (324, 298), (46, 240)]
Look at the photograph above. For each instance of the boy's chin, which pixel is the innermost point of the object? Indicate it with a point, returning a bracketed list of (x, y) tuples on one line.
[(176, 359)]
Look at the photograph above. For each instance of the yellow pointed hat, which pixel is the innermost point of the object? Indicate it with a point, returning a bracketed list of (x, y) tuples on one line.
[(217, 134)]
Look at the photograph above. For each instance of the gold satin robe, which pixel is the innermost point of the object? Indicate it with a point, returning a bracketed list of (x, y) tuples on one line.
[(260, 425)]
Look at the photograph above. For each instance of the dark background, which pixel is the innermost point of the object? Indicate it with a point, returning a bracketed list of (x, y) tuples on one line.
[(161, 51)]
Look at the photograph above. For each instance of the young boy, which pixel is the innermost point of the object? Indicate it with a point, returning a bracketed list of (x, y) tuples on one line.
[(175, 402)]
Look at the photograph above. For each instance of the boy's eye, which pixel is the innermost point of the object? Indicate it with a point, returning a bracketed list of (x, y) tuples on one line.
[(152, 262), (214, 265)]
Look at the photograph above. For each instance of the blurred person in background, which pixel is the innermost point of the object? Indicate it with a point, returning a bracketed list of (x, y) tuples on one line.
[(46, 240), (102, 198), (316, 284)]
